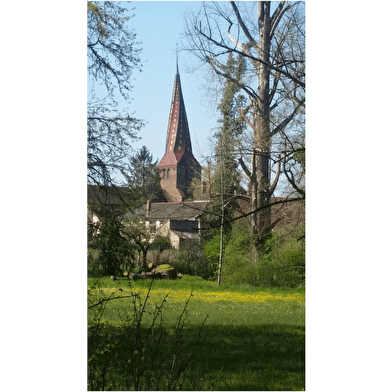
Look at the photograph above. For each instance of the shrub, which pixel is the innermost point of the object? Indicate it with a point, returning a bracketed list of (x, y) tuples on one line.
[(192, 261), (112, 248), (283, 265)]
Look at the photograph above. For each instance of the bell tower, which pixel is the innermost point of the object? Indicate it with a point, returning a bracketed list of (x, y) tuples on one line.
[(178, 167)]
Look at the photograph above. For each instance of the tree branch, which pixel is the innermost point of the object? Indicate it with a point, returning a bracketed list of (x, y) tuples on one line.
[(277, 175), (111, 299), (242, 25), (244, 167), (286, 121)]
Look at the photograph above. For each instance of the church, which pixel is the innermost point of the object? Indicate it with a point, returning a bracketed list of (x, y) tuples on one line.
[(179, 217), (178, 167)]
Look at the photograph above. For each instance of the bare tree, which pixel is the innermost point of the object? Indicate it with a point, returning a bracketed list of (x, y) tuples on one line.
[(113, 55), (270, 36)]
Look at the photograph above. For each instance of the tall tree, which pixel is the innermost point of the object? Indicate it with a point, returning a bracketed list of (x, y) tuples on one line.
[(113, 56), (226, 178), (270, 36), (143, 176)]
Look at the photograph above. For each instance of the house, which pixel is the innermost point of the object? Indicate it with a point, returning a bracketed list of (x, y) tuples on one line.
[(179, 222)]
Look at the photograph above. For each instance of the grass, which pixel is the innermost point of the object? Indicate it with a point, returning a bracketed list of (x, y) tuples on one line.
[(254, 339), (189, 283)]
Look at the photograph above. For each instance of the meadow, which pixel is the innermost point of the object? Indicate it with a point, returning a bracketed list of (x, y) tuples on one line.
[(194, 335)]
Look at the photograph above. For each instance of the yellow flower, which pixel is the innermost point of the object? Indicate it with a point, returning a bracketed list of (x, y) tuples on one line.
[(210, 296)]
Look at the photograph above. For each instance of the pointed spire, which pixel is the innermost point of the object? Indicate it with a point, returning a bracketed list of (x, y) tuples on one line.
[(177, 58), (178, 141), (178, 166)]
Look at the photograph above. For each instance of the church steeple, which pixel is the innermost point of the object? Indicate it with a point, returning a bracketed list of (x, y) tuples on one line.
[(178, 166)]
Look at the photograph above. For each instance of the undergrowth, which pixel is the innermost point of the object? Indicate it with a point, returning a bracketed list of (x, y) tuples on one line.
[(132, 354)]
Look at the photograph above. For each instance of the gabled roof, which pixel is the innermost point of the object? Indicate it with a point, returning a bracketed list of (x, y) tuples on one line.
[(176, 211)]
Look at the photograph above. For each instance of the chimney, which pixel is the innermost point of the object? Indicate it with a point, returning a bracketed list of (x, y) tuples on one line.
[(148, 206)]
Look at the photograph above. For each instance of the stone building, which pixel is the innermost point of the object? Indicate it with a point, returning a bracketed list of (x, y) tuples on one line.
[(180, 223), (177, 219)]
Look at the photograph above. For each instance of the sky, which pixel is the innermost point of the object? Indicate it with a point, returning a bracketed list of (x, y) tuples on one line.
[(159, 26)]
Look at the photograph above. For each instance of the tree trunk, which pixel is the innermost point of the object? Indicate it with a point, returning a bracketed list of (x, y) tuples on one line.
[(144, 259), (262, 135), (269, 59)]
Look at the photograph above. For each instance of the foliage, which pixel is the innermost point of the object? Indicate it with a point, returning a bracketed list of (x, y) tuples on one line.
[(141, 235), (192, 261), (160, 244), (211, 249), (282, 265), (113, 249), (226, 177), (112, 57), (143, 176), (134, 355)]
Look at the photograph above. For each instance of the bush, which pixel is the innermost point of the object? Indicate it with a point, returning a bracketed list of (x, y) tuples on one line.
[(286, 269), (112, 248), (237, 269), (192, 261), (93, 266), (282, 266)]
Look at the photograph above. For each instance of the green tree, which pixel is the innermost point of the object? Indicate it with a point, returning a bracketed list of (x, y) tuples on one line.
[(113, 249), (143, 176), (226, 178)]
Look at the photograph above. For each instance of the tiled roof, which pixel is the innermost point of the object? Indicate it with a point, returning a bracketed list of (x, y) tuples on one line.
[(176, 211), (178, 140)]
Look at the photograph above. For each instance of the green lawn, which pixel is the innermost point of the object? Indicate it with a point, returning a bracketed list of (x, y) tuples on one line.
[(252, 339)]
